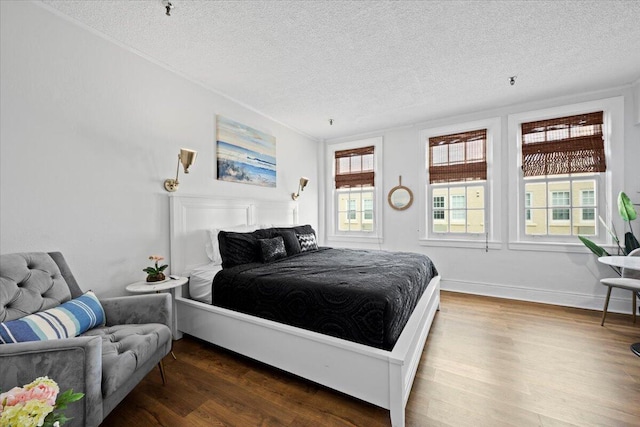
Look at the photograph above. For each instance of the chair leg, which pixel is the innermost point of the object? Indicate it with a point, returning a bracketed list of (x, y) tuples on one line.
[(162, 374), (633, 297), (606, 305)]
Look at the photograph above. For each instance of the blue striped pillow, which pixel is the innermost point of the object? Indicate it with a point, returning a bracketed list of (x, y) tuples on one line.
[(64, 321)]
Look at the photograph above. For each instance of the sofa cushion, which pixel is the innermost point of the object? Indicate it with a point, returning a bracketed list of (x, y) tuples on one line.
[(68, 320), (127, 347), (29, 282)]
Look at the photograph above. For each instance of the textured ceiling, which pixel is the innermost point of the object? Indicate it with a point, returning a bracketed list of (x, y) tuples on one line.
[(377, 64)]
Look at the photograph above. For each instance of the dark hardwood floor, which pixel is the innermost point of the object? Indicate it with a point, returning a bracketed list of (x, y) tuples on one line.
[(487, 362)]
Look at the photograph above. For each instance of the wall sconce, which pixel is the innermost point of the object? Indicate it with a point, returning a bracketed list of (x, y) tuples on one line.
[(303, 183), (186, 157)]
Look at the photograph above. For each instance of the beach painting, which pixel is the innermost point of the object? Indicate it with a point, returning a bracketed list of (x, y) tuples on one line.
[(245, 154)]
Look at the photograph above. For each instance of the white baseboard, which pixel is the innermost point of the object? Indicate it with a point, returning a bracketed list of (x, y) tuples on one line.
[(620, 301)]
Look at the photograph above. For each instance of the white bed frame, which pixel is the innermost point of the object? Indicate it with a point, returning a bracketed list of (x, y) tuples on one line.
[(383, 378)]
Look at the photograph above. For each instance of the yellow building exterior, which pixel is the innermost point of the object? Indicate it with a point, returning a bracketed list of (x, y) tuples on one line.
[(458, 209), (355, 209), (561, 208)]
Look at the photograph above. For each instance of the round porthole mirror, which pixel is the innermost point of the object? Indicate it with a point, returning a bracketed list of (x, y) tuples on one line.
[(400, 197)]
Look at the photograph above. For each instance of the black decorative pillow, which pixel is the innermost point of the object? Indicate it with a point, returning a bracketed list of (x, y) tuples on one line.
[(307, 242), (291, 243), (238, 248), (272, 249)]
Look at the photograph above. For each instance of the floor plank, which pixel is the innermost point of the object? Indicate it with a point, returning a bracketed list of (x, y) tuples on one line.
[(487, 362)]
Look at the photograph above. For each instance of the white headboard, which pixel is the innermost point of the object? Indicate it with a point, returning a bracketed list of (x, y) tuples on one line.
[(191, 216)]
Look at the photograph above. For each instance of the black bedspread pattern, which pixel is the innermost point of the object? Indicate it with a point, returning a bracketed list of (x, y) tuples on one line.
[(358, 295)]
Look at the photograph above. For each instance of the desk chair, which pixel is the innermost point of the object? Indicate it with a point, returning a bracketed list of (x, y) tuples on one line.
[(630, 280)]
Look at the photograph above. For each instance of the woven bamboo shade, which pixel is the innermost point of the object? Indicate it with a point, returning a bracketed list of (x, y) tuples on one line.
[(563, 145), (458, 157), (354, 168)]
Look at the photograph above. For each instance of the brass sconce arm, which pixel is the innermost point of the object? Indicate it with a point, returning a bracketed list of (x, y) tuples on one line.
[(187, 158), (303, 183)]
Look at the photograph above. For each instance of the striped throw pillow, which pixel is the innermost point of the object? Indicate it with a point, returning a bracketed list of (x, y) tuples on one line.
[(307, 242), (67, 320)]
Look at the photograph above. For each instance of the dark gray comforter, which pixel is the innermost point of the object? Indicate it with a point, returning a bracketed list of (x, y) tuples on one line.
[(358, 295)]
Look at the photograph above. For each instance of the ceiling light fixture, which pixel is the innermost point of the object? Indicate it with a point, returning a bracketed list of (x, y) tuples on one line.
[(330, 122), (168, 6), (512, 80)]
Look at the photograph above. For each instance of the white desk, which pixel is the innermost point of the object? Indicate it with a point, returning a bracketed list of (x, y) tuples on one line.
[(632, 263), (166, 285)]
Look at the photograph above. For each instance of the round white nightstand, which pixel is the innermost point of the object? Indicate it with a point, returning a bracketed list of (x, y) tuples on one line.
[(165, 285)]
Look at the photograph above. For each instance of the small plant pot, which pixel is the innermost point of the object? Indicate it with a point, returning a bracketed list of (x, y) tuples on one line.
[(156, 277)]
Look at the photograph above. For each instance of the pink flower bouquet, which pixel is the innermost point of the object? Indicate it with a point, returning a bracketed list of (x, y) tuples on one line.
[(33, 405)]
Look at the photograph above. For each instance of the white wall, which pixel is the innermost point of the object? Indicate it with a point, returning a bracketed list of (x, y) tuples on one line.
[(559, 278), (88, 133), (636, 98)]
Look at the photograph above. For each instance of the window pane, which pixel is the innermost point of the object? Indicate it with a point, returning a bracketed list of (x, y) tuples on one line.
[(584, 221), (355, 209), (356, 163), (475, 209), (367, 206), (560, 214), (559, 218), (475, 150), (538, 224), (367, 162), (559, 198), (536, 218), (343, 165), (456, 153), (458, 213), (352, 209), (440, 155), (441, 215)]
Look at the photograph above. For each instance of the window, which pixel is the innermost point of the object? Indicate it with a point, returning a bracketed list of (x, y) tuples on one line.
[(563, 156), (368, 209), (353, 207), (458, 206), (457, 169), (588, 198), (438, 207), (569, 158), (462, 197), (560, 198)]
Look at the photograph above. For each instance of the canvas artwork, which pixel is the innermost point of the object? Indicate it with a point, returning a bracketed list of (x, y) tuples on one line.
[(245, 154)]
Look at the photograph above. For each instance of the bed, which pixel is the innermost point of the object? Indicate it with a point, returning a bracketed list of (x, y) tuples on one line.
[(380, 376)]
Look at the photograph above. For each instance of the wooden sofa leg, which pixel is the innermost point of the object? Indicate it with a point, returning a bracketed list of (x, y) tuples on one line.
[(606, 305), (162, 374)]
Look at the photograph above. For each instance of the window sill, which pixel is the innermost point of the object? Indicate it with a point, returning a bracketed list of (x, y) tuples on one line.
[(555, 247), (455, 243)]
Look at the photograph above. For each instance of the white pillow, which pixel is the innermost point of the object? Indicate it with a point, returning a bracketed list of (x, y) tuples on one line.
[(211, 244)]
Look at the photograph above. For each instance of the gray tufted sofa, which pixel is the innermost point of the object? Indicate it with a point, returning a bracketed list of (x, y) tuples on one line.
[(105, 363)]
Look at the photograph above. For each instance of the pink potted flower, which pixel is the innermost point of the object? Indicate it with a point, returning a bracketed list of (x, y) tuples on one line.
[(155, 274)]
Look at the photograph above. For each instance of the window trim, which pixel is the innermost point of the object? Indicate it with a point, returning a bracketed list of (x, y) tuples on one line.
[(493, 188), (612, 180), (333, 234)]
